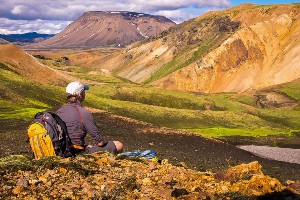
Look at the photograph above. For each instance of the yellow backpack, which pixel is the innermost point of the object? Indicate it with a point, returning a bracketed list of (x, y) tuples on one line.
[(40, 142), (48, 136)]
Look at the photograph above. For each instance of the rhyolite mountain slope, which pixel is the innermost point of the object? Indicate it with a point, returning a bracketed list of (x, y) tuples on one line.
[(25, 65), (245, 47), (103, 29)]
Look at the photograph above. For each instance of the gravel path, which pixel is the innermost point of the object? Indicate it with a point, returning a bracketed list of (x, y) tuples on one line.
[(274, 153)]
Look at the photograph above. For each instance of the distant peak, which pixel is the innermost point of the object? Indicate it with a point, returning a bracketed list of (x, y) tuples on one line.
[(108, 29)]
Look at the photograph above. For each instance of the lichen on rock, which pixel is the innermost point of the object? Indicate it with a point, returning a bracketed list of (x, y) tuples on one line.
[(102, 176)]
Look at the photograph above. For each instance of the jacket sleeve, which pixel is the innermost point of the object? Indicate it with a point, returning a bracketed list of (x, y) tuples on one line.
[(90, 126)]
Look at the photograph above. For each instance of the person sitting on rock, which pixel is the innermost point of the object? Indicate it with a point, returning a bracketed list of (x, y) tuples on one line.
[(79, 122)]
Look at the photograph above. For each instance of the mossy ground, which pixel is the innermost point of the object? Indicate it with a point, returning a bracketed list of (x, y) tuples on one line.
[(213, 115)]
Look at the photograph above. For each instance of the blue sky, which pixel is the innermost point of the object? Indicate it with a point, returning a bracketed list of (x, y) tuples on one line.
[(52, 16)]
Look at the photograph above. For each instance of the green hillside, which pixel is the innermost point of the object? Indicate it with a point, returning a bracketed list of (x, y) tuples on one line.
[(21, 98), (212, 115), (224, 114)]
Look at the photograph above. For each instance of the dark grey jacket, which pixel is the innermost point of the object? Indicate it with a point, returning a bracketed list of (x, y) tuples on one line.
[(79, 122)]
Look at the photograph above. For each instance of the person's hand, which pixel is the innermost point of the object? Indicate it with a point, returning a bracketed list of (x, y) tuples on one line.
[(101, 143)]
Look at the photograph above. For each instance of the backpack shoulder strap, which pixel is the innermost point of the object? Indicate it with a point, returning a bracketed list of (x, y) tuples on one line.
[(64, 129), (60, 122)]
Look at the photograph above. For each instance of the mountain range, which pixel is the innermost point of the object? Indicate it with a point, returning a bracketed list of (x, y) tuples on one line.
[(242, 48), (30, 37), (107, 29)]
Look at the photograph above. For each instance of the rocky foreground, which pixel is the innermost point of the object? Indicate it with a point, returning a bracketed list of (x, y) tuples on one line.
[(103, 176)]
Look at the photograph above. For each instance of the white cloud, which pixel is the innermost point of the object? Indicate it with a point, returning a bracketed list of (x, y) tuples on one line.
[(178, 4), (71, 9), (62, 12), (175, 15), (18, 9), (24, 26), (184, 14)]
